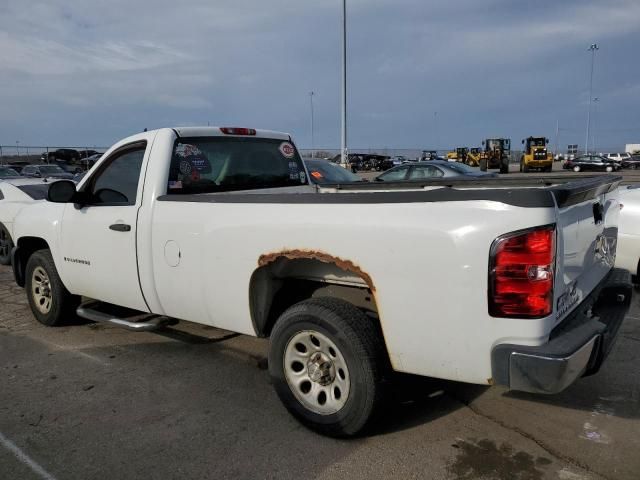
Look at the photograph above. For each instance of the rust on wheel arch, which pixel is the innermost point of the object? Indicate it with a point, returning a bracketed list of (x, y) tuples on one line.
[(323, 257)]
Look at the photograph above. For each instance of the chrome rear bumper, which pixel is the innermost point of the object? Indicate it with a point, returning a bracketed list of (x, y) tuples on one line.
[(577, 347)]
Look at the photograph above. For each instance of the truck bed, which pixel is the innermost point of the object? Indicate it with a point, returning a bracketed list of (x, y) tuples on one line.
[(534, 192)]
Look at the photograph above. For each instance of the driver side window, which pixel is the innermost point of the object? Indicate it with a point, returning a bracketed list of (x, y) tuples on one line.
[(117, 182)]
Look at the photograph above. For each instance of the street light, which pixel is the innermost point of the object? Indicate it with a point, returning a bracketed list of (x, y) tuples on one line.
[(595, 117), (593, 49), (17, 148), (435, 128), (313, 147), (343, 144)]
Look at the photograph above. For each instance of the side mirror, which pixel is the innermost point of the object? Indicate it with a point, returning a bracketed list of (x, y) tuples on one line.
[(523, 142), (547, 140), (62, 191)]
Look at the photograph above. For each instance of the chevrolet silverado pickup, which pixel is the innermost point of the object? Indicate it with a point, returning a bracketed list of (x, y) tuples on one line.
[(487, 281)]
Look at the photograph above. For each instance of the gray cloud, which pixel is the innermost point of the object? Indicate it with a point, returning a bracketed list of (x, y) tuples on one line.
[(91, 72)]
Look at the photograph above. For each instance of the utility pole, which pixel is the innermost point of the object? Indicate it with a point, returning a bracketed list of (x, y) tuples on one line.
[(593, 49), (313, 142), (344, 155), (17, 148), (557, 135)]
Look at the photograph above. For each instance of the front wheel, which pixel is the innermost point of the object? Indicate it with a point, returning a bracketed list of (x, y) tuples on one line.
[(6, 245), (50, 301), (609, 168), (326, 362), (576, 168)]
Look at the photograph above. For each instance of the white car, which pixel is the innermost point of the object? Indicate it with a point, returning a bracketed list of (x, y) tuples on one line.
[(15, 194), (628, 255), (617, 157)]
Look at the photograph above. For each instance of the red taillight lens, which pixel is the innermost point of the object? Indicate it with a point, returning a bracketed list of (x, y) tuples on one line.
[(237, 131), (521, 274)]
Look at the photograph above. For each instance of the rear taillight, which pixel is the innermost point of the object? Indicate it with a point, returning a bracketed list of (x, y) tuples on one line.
[(521, 269), (237, 131)]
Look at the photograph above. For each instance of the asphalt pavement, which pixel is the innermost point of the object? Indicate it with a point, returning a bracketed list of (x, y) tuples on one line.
[(91, 401)]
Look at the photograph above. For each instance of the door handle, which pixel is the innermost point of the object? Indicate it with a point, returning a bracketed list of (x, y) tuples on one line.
[(120, 227)]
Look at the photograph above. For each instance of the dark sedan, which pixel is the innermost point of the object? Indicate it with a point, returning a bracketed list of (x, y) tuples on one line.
[(591, 163), (431, 169), (633, 163), (46, 171), (323, 171), (8, 172)]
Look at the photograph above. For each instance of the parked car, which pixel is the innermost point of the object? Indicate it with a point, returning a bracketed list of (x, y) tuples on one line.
[(89, 153), (72, 169), (46, 171), (398, 160), (18, 165), (15, 194), (91, 160), (8, 172), (431, 169), (591, 163), (220, 226), (633, 162), (628, 251), (617, 157), (61, 154), (322, 171)]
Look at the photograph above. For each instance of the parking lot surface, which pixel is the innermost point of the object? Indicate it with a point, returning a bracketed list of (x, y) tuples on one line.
[(93, 401)]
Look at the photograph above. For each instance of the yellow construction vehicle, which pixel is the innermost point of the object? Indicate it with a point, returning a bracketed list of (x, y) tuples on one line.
[(497, 152), (458, 155), (473, 157), (535, 155)]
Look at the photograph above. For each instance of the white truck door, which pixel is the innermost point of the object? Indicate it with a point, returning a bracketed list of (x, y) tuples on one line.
[(98, 240)]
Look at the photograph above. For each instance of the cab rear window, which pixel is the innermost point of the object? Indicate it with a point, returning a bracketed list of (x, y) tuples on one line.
[(219, 164)]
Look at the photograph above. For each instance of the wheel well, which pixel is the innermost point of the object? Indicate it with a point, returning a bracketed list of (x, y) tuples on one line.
[(284, 281), (26, 246)]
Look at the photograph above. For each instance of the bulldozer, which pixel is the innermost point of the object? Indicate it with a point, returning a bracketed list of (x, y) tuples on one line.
[(497, 152), (473, 157), (535, 155)]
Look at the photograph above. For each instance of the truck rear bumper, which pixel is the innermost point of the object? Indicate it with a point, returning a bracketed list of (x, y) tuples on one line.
[(577, 347)]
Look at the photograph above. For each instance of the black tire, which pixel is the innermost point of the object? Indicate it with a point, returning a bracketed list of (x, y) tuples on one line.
[(6, 245), (62, 307), (359, 343)]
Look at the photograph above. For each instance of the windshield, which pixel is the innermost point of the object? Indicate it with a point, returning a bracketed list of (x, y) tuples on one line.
[(8, 172), (326, 172), (51, 170), (219, 164), (538, 142)]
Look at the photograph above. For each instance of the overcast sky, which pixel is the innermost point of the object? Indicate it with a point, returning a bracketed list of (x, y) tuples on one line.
[(88, 72)]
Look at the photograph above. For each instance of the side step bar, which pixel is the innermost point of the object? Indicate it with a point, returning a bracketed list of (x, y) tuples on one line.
[(121, 317)]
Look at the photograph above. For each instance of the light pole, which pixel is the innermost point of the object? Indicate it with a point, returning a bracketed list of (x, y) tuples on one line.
[(313, 143), (595, 117), (17, 148), (343, 144), (435, 129), (593, 49)]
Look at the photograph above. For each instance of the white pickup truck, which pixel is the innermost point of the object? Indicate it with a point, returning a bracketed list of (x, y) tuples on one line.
[(499, 281)]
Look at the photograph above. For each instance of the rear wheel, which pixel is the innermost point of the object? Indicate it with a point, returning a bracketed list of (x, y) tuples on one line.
[(576, 168), (50, 302), (609, 168), (326, 362), (6, 245)]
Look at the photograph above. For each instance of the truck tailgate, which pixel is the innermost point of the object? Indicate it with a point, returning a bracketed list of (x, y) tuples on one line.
[(587, 231)]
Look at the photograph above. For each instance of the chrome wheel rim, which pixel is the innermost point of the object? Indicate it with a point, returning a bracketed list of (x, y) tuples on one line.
[(5, 243), (317, 372), (41, 290)]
